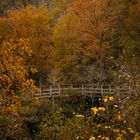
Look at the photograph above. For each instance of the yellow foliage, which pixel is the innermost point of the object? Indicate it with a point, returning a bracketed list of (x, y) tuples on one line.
[(94, 110), (101, 108), (131, 130), (105, 99), (116, 130), (92, 138), (105, 138), (98, 126), (107, 127), (111, 98)]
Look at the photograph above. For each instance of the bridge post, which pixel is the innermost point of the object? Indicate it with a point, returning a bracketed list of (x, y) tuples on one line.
[(71, 88), (51, 91), (59, 90), (102, 91), (40, 92), (110, 89), (82, 89)]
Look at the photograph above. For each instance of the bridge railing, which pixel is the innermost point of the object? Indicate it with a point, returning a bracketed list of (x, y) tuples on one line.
[(81, 89)]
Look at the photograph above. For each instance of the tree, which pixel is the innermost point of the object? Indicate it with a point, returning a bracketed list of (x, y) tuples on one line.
[(83, 33), (31, 23), (14, 79), (95, 21), (97, 33), (125, 42)]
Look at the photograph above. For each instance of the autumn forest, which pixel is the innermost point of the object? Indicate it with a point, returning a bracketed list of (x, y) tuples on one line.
[(69, 42)]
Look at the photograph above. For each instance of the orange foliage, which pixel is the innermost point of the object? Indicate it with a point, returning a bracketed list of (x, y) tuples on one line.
[(14, 81), (31, 23), (94, 21)]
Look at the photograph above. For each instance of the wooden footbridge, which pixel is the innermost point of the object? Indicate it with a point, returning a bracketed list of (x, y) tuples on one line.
[(92, 90)]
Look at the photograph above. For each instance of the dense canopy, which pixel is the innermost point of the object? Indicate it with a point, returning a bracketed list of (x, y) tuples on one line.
[(51, 42)]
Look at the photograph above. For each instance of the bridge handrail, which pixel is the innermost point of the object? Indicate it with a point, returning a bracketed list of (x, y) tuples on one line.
[(84, 89)]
